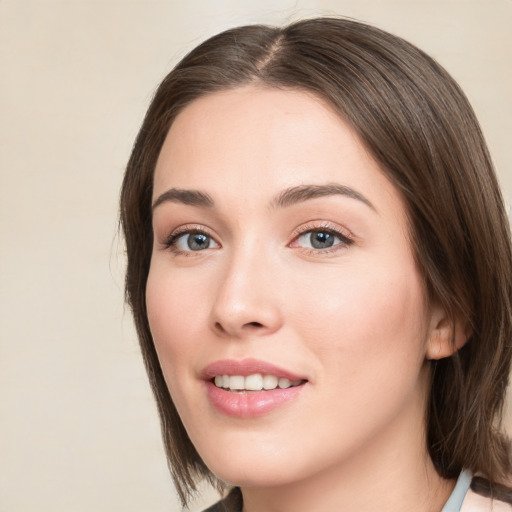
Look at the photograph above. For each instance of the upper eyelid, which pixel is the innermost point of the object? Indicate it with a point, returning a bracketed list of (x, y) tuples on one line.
[(191, 228), (323, 226)]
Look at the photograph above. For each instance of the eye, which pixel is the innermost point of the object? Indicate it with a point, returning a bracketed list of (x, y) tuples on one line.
[(190, 241), (318, 240), (321, 239)]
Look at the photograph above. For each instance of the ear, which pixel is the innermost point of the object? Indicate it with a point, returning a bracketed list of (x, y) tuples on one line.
[(445, 337)]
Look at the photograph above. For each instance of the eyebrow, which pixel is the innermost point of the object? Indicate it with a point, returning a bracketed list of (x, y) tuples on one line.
[(189, 197), (286, 198), (303, 193)]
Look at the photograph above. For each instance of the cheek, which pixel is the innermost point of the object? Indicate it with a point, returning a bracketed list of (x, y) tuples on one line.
[(367, 331), (174, 312), (368, 314)]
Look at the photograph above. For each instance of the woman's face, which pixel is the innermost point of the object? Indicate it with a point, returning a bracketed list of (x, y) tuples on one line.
[(281, 258)]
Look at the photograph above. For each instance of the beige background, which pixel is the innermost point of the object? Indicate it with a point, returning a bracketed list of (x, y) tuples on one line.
[(78, 429)]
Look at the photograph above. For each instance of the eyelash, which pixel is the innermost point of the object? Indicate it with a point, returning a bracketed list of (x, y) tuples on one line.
[(345, 238), (172, 240)]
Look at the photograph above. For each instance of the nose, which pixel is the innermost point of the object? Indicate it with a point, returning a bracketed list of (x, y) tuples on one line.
[(247, 303)]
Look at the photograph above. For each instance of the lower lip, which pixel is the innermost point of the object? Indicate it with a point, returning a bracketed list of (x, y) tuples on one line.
[(251, 404)]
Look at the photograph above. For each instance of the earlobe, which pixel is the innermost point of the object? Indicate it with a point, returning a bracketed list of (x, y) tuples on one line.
[(445, 337)]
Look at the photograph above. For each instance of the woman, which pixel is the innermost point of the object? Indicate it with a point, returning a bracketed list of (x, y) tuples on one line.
[(319, 267)]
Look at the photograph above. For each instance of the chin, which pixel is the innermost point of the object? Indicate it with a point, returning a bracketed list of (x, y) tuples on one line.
[(246, 460), (247, 475), (250, 463)]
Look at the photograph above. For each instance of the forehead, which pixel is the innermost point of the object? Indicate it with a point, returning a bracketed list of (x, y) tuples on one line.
[(257, 140)]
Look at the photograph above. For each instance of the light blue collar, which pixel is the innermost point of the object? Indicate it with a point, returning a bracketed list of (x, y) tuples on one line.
[(456, 498)]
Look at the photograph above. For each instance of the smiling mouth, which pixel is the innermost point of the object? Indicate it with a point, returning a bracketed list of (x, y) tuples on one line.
[(254, 382)]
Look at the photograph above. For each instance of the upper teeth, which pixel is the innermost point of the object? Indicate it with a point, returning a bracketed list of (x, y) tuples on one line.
[(255, 382)]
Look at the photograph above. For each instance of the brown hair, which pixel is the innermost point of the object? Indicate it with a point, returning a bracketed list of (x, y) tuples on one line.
[(420, 128)]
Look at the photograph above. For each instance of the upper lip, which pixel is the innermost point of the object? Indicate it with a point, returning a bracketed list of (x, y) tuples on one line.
[(245, 367)]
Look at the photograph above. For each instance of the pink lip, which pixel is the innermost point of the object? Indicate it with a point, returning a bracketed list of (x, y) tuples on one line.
[(250, 404), (247, 367)]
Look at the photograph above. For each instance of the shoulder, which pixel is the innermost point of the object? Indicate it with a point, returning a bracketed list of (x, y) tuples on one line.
[(477, 494), (477, 503)]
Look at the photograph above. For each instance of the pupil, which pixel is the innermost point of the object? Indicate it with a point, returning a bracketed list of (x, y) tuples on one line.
[(321, 240), (198, 241)]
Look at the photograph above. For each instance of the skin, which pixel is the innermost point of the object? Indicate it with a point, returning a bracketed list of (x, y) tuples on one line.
[(352, 319)]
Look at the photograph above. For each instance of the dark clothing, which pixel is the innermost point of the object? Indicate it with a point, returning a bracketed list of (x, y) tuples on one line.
[(231, 503)]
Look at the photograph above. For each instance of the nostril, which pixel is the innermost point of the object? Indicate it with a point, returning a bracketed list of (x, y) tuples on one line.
[(254, 324), (248, 326), (218, 327)]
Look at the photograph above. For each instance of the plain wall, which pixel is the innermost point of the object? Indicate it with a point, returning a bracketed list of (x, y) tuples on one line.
[(78, 426)]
